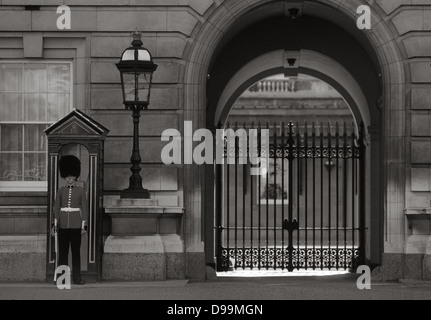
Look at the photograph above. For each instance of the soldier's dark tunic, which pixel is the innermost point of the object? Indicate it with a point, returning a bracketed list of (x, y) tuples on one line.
[(70, 210)]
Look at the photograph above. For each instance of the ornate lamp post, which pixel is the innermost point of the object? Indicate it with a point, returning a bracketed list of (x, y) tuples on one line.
[(136, 68)]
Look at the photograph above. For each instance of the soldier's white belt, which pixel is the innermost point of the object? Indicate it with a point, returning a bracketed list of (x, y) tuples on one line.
[(70, 209)]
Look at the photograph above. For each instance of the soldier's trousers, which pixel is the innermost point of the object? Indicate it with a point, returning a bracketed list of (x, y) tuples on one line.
[(70, 237)]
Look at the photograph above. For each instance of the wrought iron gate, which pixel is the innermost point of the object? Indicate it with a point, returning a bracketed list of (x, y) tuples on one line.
[(306, 212)]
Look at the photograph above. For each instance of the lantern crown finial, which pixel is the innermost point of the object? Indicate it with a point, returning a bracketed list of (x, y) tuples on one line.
[(136, 36)]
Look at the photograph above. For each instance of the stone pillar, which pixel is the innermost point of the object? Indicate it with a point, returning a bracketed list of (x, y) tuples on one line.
[(194, 180), (395, 178), (145, 243), (374, 196)]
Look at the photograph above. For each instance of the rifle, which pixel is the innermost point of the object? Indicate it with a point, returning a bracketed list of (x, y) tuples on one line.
[(56, 254)]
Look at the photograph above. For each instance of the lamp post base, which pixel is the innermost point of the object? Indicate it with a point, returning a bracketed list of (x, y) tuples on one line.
[(135, 194)]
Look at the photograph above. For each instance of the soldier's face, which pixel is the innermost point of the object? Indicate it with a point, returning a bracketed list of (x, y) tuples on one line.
[(70, 179)]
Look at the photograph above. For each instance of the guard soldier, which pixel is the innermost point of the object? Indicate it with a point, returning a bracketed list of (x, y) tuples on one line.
[(70, 216)]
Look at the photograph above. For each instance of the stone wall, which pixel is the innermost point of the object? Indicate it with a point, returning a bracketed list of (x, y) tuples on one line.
[(99, 34), (411, 22), (22, 243)]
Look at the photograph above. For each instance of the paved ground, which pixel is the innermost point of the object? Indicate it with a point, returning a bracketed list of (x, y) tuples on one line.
[(335, 287)]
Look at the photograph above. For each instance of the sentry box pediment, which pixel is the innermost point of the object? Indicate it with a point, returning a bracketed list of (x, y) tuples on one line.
[(77, 125)]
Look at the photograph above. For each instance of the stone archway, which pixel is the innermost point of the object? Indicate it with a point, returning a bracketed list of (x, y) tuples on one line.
[(221, 20), (308, 62)]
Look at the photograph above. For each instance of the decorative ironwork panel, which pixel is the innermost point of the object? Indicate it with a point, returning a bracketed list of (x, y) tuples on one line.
[(263, 258)]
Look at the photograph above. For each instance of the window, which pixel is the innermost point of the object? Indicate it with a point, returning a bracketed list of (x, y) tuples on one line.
[(274, 187), (33, 95)]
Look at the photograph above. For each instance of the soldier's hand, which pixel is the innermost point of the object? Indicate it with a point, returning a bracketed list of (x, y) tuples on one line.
[(54, 230), (83, 230)]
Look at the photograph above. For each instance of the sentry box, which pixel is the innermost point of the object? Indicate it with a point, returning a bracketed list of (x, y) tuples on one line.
[(79, 135)]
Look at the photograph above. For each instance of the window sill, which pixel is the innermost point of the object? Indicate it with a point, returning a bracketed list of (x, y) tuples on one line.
[(23, 193), (24, 198)]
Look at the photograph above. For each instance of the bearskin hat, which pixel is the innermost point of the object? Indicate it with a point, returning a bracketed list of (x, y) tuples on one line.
[(70, 166)]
